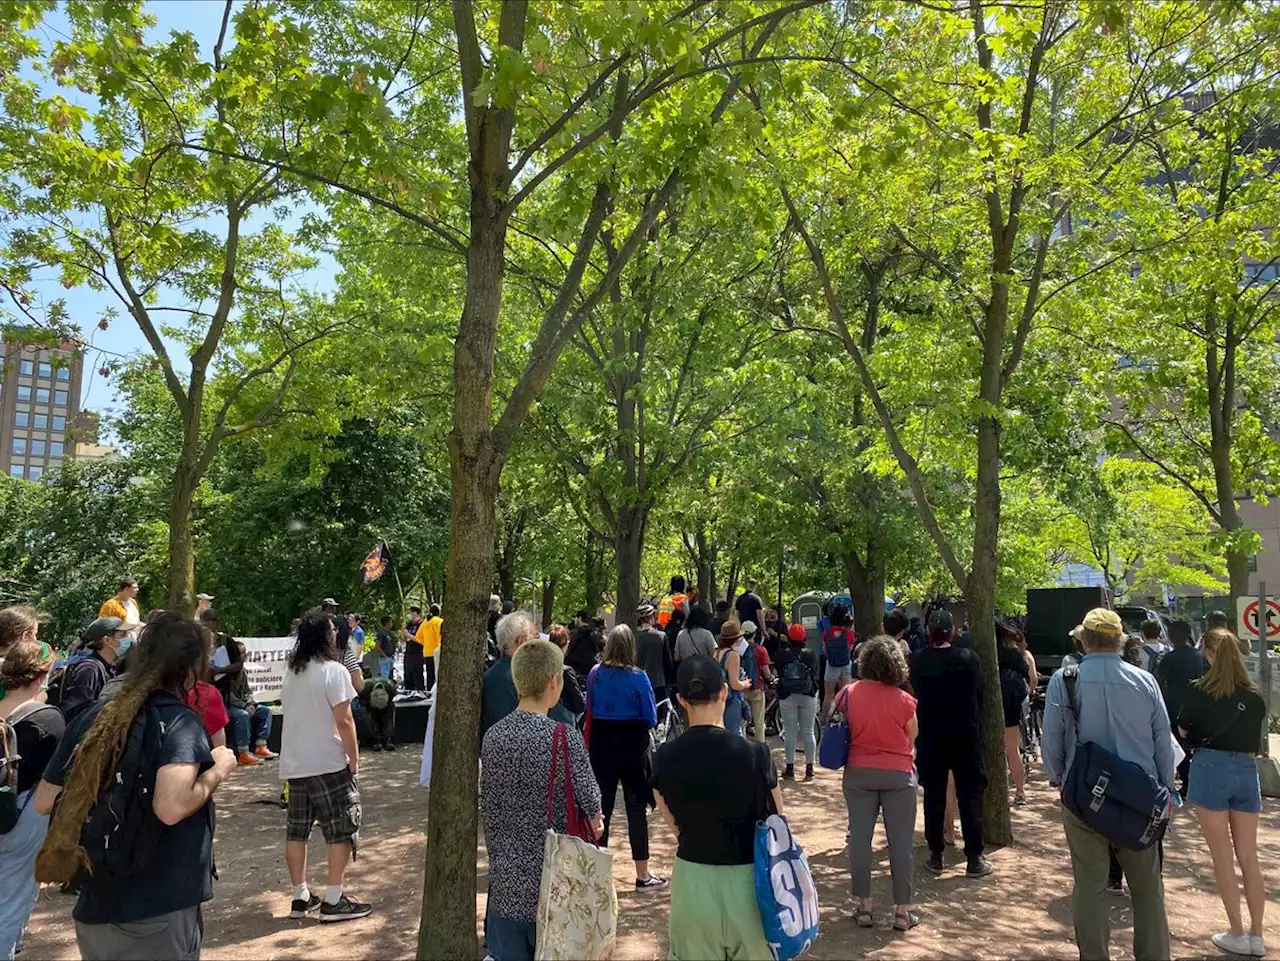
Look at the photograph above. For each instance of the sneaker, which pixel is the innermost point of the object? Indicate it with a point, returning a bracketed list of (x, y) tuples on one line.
[(388, 746), (1234, 943), (245, 758), (1115, 888), (978, 867), (375, 746), (789, 773), (344, 910), (302, 908), (934, 863), (808, 772), (1256, 946), (651, 883), (265, 753), (1019, 799)]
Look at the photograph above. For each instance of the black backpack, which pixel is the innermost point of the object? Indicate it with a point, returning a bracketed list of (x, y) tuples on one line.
[(10, 759), (796, 678), (121, 830)]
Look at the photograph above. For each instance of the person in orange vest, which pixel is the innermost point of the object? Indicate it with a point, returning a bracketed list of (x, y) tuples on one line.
[(676, 599)]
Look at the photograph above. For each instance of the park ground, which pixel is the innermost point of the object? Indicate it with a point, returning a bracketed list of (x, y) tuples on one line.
[(1022, 911)]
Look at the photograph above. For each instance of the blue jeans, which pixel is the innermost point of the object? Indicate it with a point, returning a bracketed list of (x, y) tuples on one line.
[(1224, 781), (733, 710), (510, 940), (240, 724), (385, 664), (18, 888)]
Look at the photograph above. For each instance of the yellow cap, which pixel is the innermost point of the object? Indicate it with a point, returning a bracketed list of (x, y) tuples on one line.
[(1102, 621)]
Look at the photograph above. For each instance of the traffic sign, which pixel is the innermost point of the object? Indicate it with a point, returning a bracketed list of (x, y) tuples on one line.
[(1248, 626)]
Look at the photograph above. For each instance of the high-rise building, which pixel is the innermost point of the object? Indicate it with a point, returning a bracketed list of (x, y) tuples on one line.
[(39, 403)]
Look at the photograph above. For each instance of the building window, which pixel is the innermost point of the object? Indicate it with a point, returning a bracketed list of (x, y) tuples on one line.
[(21, 419), (37, 448), (24, 393), (19, 445), (46, 369), (35, 472), (59, 422), (42, 422), (64, 373), (17, 470), (55, 448), (26, 368), (42, 395), (60, 398)]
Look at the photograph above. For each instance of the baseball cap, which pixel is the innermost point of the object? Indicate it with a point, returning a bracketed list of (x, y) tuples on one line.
[(940, 620), (1102, 621), (749, 628), (204, 597), (796, 632), (102, 627), (699, 679), (328, 602), (645, 611)]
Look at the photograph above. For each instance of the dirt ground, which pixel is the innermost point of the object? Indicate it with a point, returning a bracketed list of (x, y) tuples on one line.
[(1022, 911)]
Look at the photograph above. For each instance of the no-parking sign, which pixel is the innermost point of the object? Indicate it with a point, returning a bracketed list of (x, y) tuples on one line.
[(1248, 626)]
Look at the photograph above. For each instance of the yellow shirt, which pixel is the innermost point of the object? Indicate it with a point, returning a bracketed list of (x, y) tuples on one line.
[(429, 635), (112, 607)]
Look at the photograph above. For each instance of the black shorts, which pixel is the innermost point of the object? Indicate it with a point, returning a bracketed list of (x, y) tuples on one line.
[(331, 799)]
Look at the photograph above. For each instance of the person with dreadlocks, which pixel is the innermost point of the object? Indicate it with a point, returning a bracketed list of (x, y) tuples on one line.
[(138, 767)]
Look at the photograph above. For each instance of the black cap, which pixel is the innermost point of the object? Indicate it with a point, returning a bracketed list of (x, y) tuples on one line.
[(940, 620), (699, 679)]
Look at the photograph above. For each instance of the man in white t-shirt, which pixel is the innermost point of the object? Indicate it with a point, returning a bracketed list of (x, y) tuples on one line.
[(320, 760)]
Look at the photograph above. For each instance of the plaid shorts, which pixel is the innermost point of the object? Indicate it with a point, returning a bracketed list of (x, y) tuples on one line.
[(331, 799)]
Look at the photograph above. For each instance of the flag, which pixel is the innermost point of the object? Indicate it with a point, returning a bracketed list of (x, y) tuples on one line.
[(376, 562)]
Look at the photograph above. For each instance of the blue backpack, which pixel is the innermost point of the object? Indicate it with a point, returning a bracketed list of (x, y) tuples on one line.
[(1114, 797), (785, 890)]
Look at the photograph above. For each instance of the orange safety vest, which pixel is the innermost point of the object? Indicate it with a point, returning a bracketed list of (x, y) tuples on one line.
[(667, 606)]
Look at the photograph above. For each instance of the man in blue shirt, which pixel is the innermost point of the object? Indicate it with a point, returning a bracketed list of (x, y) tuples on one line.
[(498, 691), (1119, 707)]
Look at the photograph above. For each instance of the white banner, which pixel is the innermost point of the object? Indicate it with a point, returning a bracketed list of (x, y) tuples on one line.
[(265, 660)]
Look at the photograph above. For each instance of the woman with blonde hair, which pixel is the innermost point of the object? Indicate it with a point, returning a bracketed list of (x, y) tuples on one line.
[(621, 709), (1221, 719), (38, 727)]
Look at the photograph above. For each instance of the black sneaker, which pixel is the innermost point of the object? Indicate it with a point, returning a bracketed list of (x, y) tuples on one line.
[(934, 863), (302, 908), (375, 746), (789, 773), (388, 746), (1115, 888), (344, 910), (979, 867), (651, 883), (808, 772)]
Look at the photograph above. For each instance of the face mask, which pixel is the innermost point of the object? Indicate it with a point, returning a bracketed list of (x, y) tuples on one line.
[(126, 642)]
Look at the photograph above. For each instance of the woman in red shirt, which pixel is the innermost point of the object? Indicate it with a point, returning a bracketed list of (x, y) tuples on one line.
[(879, 774)]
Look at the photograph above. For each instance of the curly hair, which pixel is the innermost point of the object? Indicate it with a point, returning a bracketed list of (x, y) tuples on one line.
[(881, 660), (314, 639), (175, 650)]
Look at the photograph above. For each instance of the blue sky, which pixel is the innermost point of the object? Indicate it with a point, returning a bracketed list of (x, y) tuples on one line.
[(85, 307)]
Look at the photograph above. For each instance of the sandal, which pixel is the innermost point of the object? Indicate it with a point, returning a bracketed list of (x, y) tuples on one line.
[(905, 919), (863, 917)]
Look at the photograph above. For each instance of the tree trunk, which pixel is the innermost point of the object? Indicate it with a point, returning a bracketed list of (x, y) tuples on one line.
[(593, 573), (182, 556), (629, 547), (980, 590), (548, 602), (731, 587), (706, 570), (506, 580), (866, 589), (448, 922)]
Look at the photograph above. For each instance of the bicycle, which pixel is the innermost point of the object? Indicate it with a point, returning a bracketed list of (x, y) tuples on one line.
[(1030, 727), (670, 725)]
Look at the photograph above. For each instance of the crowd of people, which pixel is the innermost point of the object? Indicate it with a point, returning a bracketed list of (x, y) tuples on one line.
[(112, 757)]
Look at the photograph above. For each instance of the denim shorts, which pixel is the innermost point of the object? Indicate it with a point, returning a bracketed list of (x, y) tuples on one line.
[(834, 672), (1224, 781)]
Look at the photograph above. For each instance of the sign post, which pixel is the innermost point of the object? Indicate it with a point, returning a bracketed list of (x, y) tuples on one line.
[(1261, 619)]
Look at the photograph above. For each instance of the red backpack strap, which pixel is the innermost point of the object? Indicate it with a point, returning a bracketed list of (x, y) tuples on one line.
[(551, 784)]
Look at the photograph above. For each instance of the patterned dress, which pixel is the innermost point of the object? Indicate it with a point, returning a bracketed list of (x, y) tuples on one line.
[(514, 776)]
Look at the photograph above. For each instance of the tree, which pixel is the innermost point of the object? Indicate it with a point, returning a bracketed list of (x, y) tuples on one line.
[(114, 206)]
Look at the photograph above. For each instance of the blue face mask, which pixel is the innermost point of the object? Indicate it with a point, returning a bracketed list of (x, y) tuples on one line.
[(126, 642)]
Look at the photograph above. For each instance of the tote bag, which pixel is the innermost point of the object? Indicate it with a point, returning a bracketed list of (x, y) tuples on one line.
[(833, 749), (785, 890), (577, 902)]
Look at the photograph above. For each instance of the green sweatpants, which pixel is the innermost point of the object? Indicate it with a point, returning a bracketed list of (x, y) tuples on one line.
[(714, 914)]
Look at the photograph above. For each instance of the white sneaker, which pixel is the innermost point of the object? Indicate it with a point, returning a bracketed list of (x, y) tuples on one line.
[(1256, 947), (1240, 944)]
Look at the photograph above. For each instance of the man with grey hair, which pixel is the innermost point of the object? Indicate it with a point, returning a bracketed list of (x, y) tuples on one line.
[(499, 697)]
